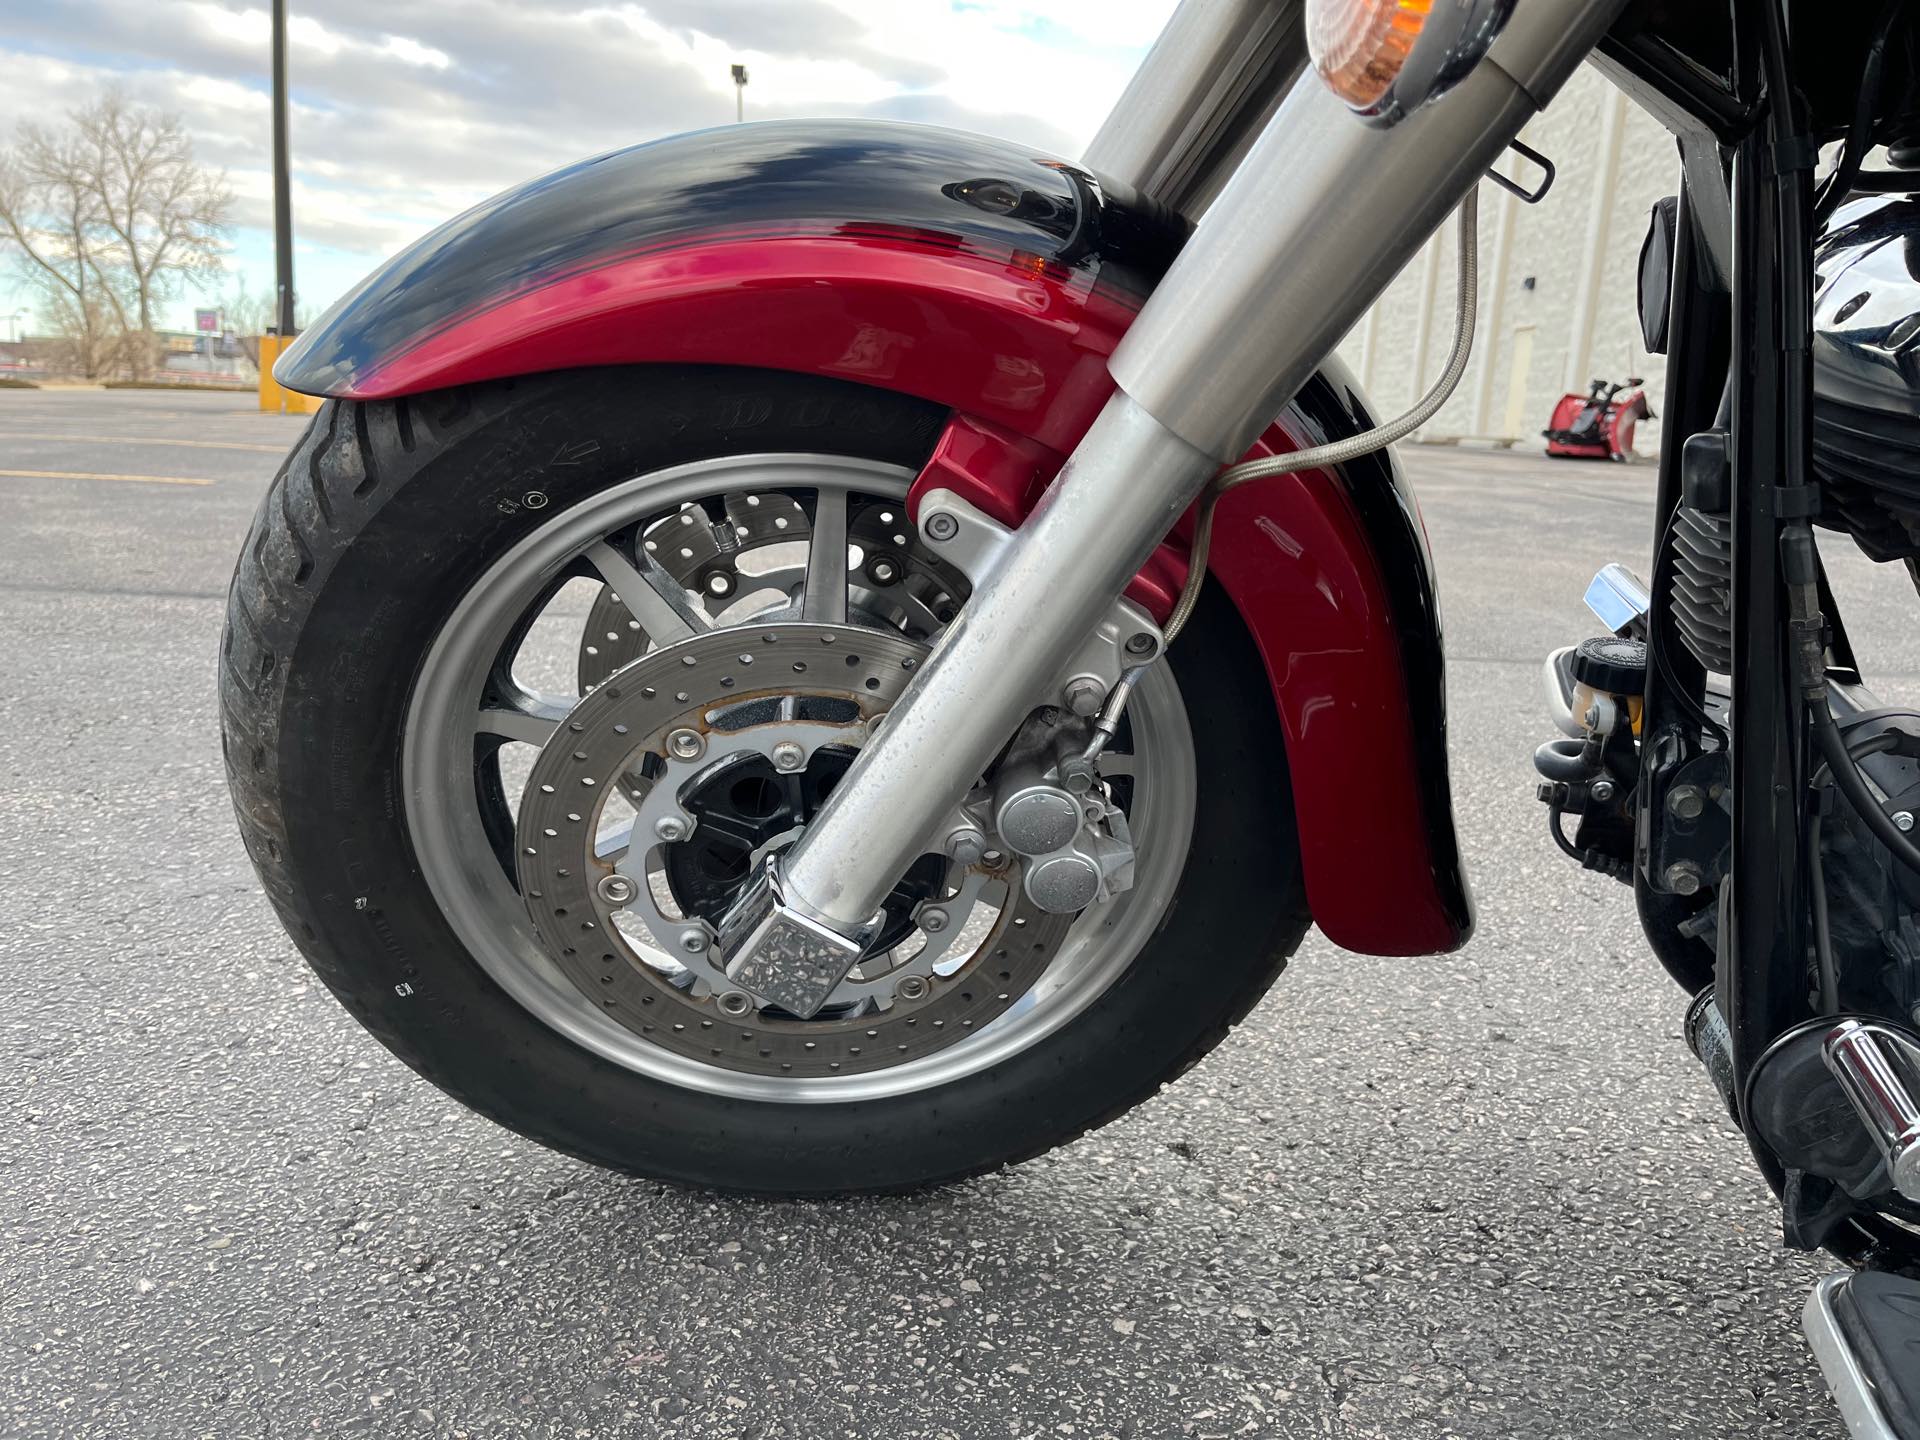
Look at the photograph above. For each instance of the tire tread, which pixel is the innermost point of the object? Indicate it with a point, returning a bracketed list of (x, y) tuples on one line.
[(350, 461)]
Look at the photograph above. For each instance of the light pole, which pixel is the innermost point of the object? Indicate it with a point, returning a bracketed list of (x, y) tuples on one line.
[(739, 93), (282, 185)]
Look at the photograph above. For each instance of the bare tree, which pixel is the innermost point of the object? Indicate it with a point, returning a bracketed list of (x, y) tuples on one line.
[(108, 216), (166, 215), (47, 217)]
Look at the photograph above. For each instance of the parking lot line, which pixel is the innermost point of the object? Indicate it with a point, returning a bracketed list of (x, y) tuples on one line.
[(146, 440), (89, 475)]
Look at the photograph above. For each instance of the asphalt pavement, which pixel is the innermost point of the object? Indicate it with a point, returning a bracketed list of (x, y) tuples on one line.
[(1482, 1195)]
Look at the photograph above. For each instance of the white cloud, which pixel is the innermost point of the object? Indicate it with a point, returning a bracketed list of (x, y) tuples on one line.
[(407, 111)]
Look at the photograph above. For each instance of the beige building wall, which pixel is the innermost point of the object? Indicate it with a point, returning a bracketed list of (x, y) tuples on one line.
[(1558, 282)]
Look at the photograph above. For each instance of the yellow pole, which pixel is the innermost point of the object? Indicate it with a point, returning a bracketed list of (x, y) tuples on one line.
[(274, 396)]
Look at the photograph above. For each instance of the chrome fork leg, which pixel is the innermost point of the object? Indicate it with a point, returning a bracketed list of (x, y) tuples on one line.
[(1312, 225), (1123, 488)]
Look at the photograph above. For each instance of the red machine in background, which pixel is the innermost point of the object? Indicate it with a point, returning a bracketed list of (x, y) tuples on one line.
[(1598, 425)]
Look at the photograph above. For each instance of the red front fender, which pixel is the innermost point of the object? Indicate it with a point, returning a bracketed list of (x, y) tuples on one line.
[(1331, 571), (994, 282)]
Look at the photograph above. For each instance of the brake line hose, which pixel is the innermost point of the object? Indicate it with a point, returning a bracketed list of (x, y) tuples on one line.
[(1354, 446)]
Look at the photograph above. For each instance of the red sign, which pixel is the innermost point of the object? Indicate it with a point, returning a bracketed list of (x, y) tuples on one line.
[(207, 321)]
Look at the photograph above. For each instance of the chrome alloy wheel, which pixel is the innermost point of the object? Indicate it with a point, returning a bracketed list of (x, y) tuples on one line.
[(684, 572)]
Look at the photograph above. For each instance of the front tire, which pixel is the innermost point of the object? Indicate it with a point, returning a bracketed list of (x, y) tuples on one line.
[(388, 514)]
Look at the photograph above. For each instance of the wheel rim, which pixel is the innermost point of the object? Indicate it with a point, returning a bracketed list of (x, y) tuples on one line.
[(458, 697)]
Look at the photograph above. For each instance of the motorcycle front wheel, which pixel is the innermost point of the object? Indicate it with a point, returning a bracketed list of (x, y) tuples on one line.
[(507, 676)]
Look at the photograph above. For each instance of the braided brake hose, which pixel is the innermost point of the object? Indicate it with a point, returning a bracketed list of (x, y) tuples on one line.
[(1354, 446), (1107, 723)]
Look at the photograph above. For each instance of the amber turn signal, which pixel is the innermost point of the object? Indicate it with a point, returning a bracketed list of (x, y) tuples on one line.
[(1359, 47), (1387, 58)]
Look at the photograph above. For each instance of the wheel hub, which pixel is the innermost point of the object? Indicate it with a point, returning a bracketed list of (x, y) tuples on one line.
[(669, 781)]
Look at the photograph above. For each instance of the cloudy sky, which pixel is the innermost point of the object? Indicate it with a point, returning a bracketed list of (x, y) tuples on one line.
[(407, 111)]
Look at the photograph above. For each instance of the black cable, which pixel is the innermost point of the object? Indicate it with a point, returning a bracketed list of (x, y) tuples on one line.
[(1848, 780), (1816, 869), (1860, 134), (1554, 812)]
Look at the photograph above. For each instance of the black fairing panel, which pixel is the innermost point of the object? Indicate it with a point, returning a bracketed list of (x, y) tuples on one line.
[(778, 178)]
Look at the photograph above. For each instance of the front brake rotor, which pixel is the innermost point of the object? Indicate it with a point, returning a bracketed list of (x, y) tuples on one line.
[(760, 546), (567, 852)]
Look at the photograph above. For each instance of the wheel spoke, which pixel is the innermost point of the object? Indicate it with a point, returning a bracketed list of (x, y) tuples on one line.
[(528, 717), (651, 596), (825, 597)]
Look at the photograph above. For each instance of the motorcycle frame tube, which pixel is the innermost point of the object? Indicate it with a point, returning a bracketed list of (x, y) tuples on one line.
[(1696, 380), (1763, 989), (1201, 97), (1322, 215), (1283, 263)]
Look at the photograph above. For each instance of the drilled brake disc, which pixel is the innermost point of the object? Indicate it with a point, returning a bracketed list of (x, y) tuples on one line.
[(567, 850), (759, 546)]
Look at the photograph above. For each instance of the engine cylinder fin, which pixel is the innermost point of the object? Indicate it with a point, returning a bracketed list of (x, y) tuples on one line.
[(1702, 586)]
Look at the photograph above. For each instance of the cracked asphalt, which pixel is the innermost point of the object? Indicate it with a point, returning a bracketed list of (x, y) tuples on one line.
[(1481, 1195)]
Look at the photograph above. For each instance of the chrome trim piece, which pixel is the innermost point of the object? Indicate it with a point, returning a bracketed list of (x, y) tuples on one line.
[(1619, 598), (781, 955), (1853, 1390), (1868, 1061)]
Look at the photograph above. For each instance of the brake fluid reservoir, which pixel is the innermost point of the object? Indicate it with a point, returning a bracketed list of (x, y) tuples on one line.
[(1609, 682)]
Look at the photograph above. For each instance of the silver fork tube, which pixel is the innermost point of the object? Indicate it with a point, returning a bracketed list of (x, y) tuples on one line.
[(1311, 227), (1317, 221), (1200, 99), (1121, 490)]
